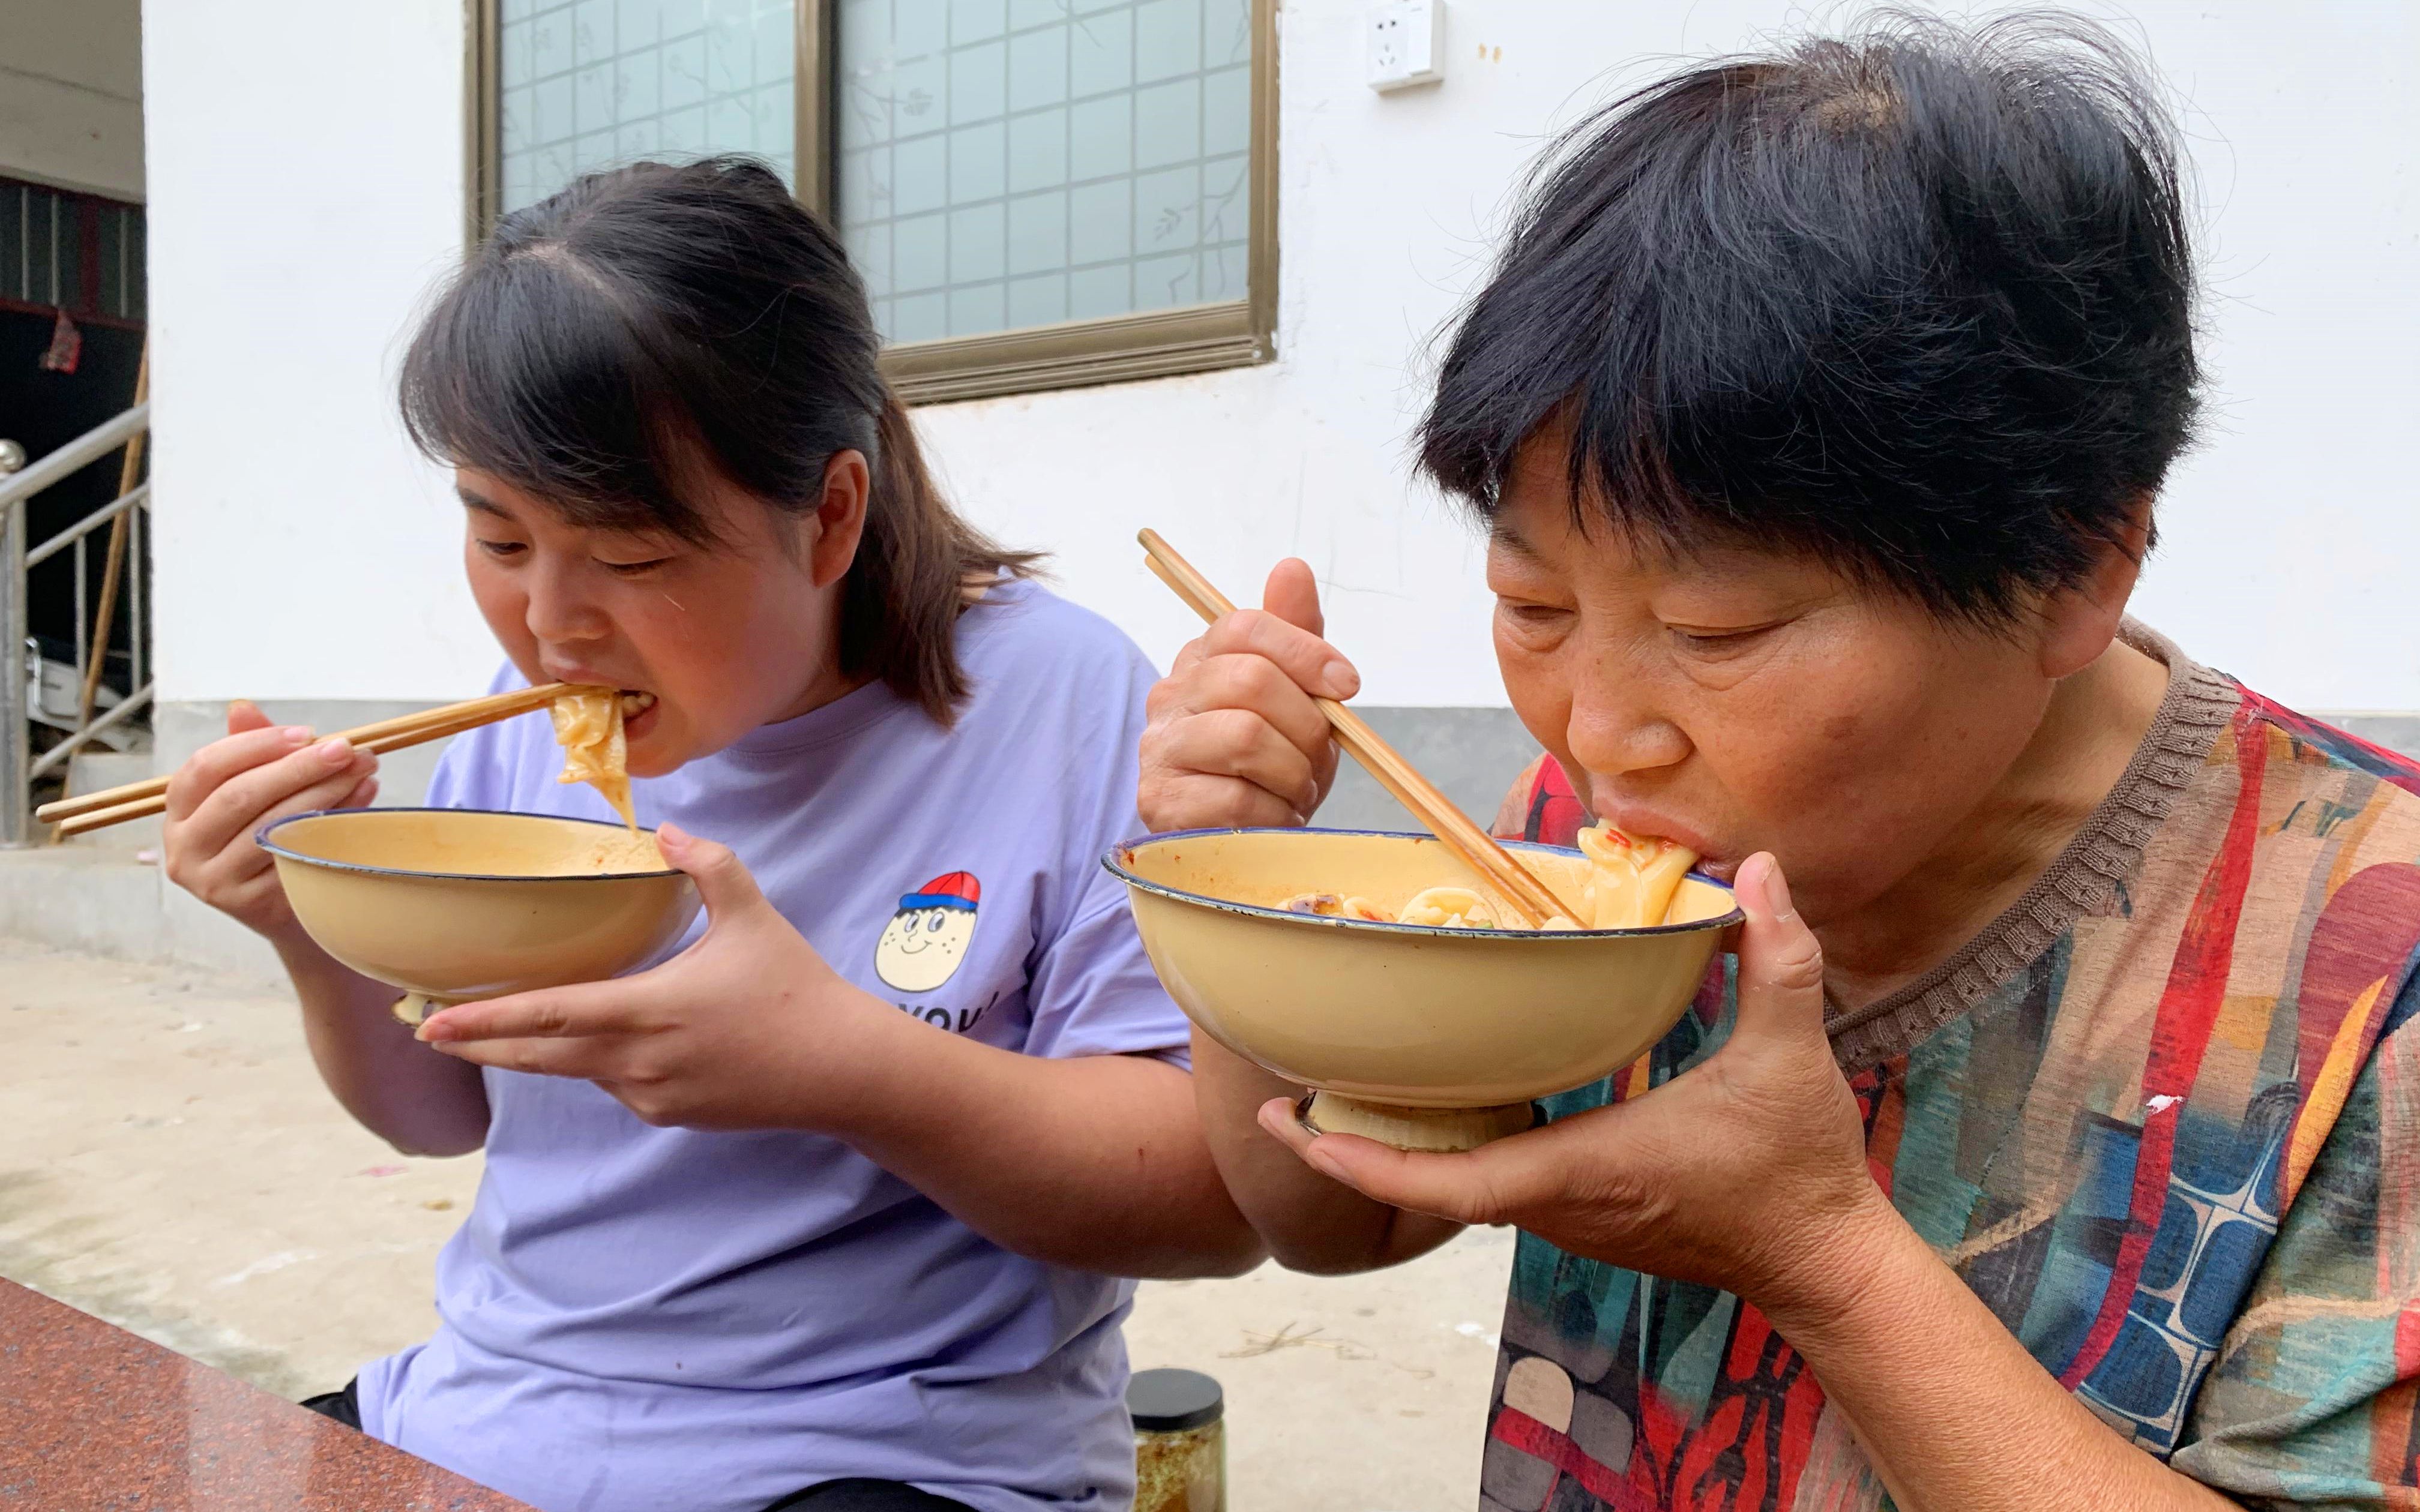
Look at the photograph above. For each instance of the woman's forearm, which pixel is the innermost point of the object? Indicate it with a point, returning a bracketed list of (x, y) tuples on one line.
[(1309, 1221), (1096, 1163), (1956, 1415), (420, 1102)]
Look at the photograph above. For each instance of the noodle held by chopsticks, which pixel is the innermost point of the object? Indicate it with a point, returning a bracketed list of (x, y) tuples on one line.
[(588, 727)]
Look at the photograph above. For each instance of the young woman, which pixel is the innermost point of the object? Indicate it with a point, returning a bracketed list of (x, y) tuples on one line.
[(811, 1212), (2050, 1141)]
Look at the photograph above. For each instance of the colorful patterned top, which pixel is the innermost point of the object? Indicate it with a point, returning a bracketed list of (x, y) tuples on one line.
[(2163, 1116)]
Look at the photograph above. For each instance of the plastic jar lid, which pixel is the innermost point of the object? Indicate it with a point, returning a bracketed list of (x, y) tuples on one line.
[(1170, 1401)]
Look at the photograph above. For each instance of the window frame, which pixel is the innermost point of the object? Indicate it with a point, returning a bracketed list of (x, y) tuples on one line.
[(1197, 338)]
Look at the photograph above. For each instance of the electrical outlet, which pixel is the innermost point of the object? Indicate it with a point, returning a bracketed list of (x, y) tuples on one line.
[(1404, 39)]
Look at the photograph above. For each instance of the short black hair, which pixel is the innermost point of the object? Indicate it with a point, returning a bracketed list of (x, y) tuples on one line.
[(604, 342), (1918, 300)]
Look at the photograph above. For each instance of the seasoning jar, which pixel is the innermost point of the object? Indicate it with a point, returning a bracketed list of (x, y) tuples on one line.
[(1180, 1441)]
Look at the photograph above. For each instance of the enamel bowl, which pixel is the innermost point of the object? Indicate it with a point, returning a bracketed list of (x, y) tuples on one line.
[(1421, 1038), (453, 905)]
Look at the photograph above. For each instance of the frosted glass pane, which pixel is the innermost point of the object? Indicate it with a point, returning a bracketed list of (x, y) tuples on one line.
[(1167, 124), (1037, 301), (1168, 209), (591, 30), (514, 66), (920, 318), (976, 21), (978, 164), (1168, 39), (978, 84), (1037, 68), (1163, 283), (1101, 138), (1226, 274), (922, 171), (1098, 228), (637, 139), (1094, 292), (1037, 233), (1039, 160), (1227, 108), (1038, 151), (1100, 52), (1226, 32), (920, 252), (596, 82), (977, 309), (978, 243), (869, 250)]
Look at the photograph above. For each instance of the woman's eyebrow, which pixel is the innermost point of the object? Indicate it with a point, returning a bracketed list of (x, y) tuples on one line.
[(481, 503), (1503, 537)]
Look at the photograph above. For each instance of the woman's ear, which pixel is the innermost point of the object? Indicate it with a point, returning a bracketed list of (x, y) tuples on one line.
[(839, 518), (2079, 623)]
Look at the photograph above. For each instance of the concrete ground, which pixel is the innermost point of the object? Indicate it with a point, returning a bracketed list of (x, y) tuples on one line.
[(171, 1163)]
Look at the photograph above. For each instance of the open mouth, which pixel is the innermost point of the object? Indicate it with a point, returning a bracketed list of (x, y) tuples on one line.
[(638, 714)]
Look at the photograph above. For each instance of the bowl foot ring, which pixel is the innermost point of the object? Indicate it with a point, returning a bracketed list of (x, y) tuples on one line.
[(1441, 1130), (411, 1007)]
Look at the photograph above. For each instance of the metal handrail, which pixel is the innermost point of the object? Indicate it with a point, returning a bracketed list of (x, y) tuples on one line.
[(18, 669), (75, 456), (139, 494), (139, 699)]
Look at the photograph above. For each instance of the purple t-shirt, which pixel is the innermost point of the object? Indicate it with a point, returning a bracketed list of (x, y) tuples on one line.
[(636, 1319)]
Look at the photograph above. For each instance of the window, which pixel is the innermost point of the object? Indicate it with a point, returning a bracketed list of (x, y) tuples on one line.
[(1038, 193), (60, 250)]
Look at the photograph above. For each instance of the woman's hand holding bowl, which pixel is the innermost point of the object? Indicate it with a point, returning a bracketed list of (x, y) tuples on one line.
[(1747, 1173), (747, 1028)]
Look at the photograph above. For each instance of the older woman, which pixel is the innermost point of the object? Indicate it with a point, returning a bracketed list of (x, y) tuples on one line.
[(2052, 1142)]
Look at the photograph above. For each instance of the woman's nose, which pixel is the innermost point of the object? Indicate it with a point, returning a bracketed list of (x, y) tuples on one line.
[(1615, 732), (558, 612)]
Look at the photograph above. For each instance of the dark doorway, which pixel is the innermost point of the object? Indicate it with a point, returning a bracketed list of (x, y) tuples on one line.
[(80, 255)]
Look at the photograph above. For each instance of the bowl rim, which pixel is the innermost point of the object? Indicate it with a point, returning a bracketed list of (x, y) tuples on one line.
[(1110, 860), (261, 838)]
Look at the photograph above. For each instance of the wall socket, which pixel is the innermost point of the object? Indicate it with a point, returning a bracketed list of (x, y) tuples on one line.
[(1405, 40)]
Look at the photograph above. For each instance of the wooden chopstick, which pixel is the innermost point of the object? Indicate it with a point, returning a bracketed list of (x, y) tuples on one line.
[(151, 804), (1520, 886), (140, 800)]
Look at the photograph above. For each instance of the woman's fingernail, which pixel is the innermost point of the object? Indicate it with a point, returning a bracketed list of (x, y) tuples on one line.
[(1339, 675), (297, 734), (1777, 889), (335, 752)]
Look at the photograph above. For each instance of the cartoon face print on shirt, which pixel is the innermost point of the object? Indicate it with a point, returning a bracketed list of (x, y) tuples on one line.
[(926, 939)]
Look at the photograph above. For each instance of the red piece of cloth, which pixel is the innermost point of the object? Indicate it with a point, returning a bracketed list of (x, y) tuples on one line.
[(65, 348)]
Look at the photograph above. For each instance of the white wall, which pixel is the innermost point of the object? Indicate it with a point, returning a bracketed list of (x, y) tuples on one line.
[(71, 94), (306, 187), (304, 554)]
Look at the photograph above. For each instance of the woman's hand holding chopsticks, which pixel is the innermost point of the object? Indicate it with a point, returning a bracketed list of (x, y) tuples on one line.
[(1234, 737), (227, 790), (1236, 740), (422, 1103)]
